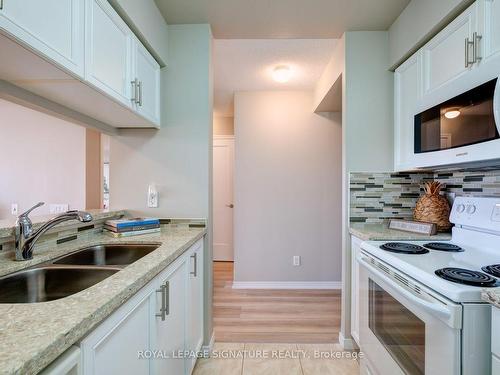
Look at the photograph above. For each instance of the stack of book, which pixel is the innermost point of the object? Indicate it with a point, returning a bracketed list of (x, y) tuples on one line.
[(131, 226)]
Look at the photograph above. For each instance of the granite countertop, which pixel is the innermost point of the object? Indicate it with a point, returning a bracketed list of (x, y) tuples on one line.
[(381, 232), (34, 335), (7, 226), (491, 296)]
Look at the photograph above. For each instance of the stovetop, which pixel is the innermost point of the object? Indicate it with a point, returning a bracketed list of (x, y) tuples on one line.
[(422, 267)]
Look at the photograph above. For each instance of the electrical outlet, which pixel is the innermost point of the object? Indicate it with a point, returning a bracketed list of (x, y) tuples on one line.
[(296, 260), (58, 208), (14, 209)]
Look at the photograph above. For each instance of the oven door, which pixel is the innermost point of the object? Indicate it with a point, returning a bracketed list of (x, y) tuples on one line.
[(404, 327)]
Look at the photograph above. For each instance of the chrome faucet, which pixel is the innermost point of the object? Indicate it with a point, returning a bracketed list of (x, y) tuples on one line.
[(25, 237)]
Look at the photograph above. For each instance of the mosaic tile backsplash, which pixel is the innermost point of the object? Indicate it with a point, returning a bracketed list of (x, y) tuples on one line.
[(378, 197)]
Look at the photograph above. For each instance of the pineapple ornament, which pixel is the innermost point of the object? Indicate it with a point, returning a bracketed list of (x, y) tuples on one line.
[(433, 207)]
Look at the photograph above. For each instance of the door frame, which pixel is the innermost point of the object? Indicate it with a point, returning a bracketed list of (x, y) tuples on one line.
[(230, 138)]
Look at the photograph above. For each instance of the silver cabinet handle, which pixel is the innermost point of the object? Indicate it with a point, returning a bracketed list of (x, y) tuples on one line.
[(134, 91), (140, 93), (195, 259), (166, 293), (163, 309), (468, 44), (475, 47)]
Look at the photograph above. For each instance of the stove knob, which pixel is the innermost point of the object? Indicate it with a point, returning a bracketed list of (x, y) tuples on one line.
[(471, 209), (460, 208)]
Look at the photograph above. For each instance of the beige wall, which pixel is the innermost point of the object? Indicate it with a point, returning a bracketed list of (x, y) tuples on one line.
[(287, 189), (42, 159), (223, 125)]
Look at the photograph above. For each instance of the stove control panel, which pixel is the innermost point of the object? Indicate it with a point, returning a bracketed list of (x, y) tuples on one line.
[(476, 212)]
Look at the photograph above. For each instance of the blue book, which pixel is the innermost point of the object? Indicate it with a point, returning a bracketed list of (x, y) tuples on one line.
[(132, 222)]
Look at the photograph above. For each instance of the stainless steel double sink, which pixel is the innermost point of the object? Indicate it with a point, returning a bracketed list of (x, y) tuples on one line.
[(71, 273)]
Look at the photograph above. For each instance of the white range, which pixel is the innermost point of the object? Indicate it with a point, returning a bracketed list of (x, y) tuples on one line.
[(420, 302)]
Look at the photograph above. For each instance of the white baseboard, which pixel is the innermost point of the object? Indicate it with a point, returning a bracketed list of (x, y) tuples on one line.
[(347, 343), (287, 285), (208, 348)]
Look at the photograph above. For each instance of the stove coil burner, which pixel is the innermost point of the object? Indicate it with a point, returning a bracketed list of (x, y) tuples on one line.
[(403, 248), (493, 270), (467, 277), (443, 246)]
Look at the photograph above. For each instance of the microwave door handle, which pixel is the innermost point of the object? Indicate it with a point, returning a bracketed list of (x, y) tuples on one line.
[(439, 310)]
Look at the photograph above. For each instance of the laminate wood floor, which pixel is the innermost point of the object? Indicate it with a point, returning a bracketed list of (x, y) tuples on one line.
[(273, 316)]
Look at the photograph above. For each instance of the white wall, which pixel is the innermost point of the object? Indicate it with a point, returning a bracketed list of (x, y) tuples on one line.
[(287, 188), (420, 20), (178, 157), (42, 159)]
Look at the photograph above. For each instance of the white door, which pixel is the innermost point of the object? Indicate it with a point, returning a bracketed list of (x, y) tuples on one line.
[(170, 336), (223, 159), (54, 28), (194, 324), (108, 51), (147, 84)]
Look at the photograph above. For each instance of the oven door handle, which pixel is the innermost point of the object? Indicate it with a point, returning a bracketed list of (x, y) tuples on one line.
[(443, 312)]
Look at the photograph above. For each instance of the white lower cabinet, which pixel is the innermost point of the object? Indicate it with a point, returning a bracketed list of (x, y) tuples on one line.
[(194, 330), (495, 340), (170, 325), (355, 250), (152, 332)]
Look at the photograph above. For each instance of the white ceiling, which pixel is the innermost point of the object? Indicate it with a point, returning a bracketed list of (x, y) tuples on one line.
[(264, 19), (247, 65)]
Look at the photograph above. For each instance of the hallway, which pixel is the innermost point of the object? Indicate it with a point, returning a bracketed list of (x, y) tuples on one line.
[(271, 316)]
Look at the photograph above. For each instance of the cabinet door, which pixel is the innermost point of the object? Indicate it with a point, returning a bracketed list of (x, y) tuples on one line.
[(490, 15), (108, 46), (445, 55), (53, 28), (115, 346), (495, 365), (170, 330), (407, 82), (194, 324), (147, 84), (355, 249)]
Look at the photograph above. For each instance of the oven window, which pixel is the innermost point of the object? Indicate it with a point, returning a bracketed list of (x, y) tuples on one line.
[(398, 329), (464, 120)]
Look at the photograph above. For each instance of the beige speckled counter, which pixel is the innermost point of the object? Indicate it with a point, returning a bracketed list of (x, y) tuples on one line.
[(381, 232), (492, 296), (33, 335)]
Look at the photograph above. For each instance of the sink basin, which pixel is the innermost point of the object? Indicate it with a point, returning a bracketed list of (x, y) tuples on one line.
[(43, 284), (108, 255)]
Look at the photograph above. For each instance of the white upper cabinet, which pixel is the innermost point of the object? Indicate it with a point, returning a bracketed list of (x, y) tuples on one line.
[(450, 54), (52, 28), (146, 83), (407, 92), (108, 47), (490, 25)]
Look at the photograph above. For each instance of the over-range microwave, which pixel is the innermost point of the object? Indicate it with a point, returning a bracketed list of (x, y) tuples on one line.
[(463, 129)]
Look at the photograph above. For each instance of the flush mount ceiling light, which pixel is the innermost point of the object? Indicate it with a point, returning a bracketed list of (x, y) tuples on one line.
[(282, 73), (452, 113)]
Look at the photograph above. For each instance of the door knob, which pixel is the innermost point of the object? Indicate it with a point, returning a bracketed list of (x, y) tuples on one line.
[(230, 205)]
